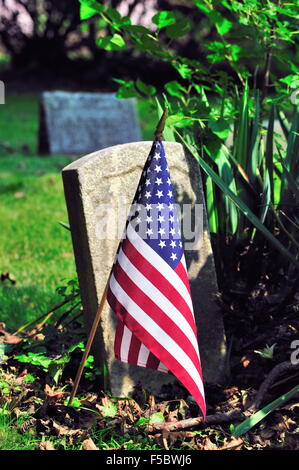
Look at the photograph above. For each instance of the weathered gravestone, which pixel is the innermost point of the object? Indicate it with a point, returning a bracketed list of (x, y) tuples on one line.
[(110, 177), (79, 123)]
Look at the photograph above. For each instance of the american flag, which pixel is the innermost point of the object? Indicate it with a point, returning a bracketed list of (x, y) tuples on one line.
[(149, 288)]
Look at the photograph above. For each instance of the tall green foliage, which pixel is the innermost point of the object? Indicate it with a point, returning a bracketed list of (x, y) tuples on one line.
[(219, 105)]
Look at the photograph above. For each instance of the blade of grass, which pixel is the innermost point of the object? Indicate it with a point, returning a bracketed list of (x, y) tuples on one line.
[(292, 148), (269, 152), (283, 123), (211, 206), (227, 175), (266, 197), (253, 420), (241, 148), (239, 203), (291, 180), (253, 158)]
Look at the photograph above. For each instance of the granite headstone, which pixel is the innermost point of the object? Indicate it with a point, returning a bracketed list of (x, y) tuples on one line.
[(107, 179), (79, 123)]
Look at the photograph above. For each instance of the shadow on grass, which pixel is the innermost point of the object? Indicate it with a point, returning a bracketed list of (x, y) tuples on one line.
[(22, 304)]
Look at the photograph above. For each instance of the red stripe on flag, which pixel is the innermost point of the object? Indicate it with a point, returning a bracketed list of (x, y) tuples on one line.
[(118, 338), (159, 281), (134, 349), (164, 356), (182, 273), (158, 315), (152, 361)]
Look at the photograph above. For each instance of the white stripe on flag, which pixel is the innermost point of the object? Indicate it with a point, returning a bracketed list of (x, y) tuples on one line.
[(183, 261), (143, 355), (158, 298), (156, 332), (162, 368), (125, 344), (148, 253)]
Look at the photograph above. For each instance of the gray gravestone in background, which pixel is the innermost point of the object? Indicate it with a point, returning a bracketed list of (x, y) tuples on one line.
[(109, 177), (79, 123)]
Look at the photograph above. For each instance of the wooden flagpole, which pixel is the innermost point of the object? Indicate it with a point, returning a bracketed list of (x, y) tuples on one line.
[(89, 343), (159, 135), (161, 124)]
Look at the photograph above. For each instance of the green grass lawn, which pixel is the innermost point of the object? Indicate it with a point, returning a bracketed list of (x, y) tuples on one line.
[(34, 247)]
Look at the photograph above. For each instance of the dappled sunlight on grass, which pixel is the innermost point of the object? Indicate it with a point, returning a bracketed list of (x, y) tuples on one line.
[(34, 247)]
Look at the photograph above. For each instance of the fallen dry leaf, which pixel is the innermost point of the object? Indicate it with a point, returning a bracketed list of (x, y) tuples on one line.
[(88, 444), (129, 409), (206, 444), (27, 425), (65, 431), (67, 254), (234, 444), (9, 338), (46, 446), (19, 195), (50, 392)]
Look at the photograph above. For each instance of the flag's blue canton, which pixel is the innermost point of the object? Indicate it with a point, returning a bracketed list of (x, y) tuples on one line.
[(155, 218)]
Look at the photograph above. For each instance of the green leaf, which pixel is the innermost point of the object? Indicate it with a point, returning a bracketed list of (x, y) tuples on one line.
[(261, 414), (174, 88), (109, 411), (223, 25), (113, 15), (89, 362), (235, 52), (86, 12), (178, 29), (164, 18), (79, 346), (111, 43), (291, 80), (127, 90), (239, 203), (136, 29), (116, 19), (76, 403), (179, 120), (148, 90), (36, 359), (201, 5), (218, 49), (142, 421), (29, 379), (184, 70), (220, 128), (89, 8), (145, 44), (216, 46), (156, 418)]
